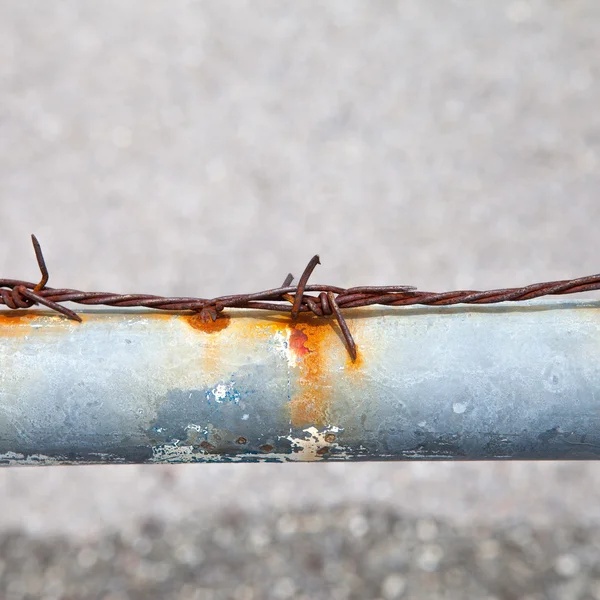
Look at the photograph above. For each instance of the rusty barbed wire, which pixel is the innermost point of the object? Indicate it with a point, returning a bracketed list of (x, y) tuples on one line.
[(329, 301)]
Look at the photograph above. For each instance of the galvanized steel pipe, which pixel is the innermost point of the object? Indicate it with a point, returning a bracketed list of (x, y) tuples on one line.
[(507, 381)]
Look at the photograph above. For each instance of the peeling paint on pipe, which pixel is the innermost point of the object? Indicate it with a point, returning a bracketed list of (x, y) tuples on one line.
[(509, 381)]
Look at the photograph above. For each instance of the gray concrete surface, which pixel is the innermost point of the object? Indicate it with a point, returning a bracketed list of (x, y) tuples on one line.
[(341, 553), (210, 147)]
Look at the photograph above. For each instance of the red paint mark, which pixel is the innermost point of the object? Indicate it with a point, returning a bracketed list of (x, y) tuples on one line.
[(298, 340)]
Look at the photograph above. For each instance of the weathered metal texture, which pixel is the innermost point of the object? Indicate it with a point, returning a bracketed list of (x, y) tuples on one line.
[(518, 381)]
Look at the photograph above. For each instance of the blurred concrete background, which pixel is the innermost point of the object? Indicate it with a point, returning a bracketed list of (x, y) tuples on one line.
[(210, 147)]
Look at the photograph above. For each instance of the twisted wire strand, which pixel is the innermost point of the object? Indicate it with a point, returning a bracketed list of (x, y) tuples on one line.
[(320, 300)]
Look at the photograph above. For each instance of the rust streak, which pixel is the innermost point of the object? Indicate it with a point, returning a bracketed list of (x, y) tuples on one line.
[(311, 340)]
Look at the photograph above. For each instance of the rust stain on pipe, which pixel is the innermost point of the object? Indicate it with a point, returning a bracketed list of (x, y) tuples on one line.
[(312, 342), (354, 366), (12, 319), (18, 324), (197, 321)]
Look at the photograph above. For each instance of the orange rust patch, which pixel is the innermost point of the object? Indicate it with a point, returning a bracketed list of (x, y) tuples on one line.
[(316, 343), (15, 323), (311, 341), (208, 326), (15, 318), (355, 364)]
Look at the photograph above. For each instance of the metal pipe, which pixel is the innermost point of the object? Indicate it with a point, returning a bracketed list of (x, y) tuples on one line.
[(509, 381)]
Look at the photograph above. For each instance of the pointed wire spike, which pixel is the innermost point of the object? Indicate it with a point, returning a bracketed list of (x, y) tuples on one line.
[(70, 314), (343, 325), (288, 280), (32, 295), (310, 267), (41, 264)]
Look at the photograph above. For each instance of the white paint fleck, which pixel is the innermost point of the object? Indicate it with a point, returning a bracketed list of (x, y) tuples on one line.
[(245, 417), (223, 392), (16, 458), (306, 448), (459, 407), (197, 428), (172, 453), (282, 347), (303, 449), (220, 392)]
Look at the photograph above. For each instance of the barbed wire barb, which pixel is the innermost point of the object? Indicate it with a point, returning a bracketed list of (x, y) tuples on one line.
[(330, 301)]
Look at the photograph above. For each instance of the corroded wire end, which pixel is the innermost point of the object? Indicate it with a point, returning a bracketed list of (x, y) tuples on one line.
[(34, 296), (310, 267), (41, 263)]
